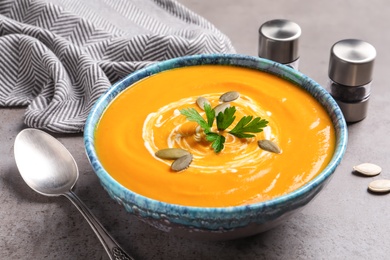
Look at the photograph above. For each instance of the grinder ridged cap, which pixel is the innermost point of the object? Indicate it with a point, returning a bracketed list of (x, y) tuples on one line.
[(351, 62), (278, 41)]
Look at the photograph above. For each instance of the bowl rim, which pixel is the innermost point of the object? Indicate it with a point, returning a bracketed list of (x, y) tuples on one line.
[(240, 60)]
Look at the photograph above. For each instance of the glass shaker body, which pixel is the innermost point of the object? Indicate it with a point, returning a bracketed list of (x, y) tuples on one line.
[(350, 76)]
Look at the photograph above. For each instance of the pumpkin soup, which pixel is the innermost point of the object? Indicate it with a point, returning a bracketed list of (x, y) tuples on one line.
[(147, 117)]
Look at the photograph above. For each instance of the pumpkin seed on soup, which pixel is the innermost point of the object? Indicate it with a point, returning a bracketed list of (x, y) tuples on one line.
[(182, 163), (221, 107), (171, 153), (201, 101), (269, 146), (229, 96)]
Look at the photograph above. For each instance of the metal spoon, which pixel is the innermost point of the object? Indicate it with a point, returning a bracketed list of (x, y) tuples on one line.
[(49, 169)]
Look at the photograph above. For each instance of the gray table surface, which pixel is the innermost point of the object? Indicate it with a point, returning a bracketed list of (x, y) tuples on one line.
[(343, 222)]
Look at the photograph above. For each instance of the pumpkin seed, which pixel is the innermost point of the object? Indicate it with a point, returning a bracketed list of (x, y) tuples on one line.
[(368, 169), (221, 108), (379, 186), (182, 163), (201, 101), (171, 153), (269, 146), (229, 96)]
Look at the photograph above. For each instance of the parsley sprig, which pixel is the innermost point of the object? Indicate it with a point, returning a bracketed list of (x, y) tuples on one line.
[(246, 125), (243, 129)]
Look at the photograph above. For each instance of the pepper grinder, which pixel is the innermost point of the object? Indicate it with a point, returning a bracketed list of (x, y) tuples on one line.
[(278, 41), (350, 74)]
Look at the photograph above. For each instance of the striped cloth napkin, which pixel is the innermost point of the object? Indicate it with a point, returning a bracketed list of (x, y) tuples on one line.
[(57, 57)]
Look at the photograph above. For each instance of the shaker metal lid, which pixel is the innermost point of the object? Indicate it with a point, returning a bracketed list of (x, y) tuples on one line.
[(278, 40), (351, 62)]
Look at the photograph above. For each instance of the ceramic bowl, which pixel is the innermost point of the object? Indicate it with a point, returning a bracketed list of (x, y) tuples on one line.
[(207, 222)]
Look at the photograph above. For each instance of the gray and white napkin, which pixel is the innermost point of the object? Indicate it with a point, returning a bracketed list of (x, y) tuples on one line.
[(57, 57)]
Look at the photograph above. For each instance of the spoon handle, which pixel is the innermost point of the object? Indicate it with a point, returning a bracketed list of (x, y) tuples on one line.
[(114, 251)]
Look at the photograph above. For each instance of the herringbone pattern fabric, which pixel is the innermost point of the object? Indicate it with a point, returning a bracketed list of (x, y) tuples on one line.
[(58, 58)]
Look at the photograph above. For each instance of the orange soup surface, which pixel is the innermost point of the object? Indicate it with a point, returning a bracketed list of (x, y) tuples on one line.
[(146, 118)]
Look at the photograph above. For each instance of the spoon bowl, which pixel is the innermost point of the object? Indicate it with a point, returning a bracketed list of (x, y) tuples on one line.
[(49, 169), (44, 163)]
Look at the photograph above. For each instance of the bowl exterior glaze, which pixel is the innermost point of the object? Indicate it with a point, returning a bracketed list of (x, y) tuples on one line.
[(227, 222)]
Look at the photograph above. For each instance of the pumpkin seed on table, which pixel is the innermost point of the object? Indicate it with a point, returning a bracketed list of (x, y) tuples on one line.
[(229, 96), (201, 101), (171, 153), (182, 163), (221, 108), (379, 186), (368, 169), (269, 146)]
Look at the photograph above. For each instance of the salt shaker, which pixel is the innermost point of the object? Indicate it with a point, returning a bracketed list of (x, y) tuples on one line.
[(279, 41), (350, 75)]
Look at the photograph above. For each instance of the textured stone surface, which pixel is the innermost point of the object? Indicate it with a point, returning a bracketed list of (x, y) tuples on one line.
[(343, 222)]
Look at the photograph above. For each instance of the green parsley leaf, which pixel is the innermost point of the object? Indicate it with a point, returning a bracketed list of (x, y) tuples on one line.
[(210, 114), (246, 125), (194, 116), (217, 141), (226, 118)]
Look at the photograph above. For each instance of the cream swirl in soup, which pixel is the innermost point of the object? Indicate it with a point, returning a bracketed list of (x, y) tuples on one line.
[(190, 137)]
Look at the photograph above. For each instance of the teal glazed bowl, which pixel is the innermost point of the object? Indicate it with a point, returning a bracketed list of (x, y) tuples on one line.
[(219, 223)]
